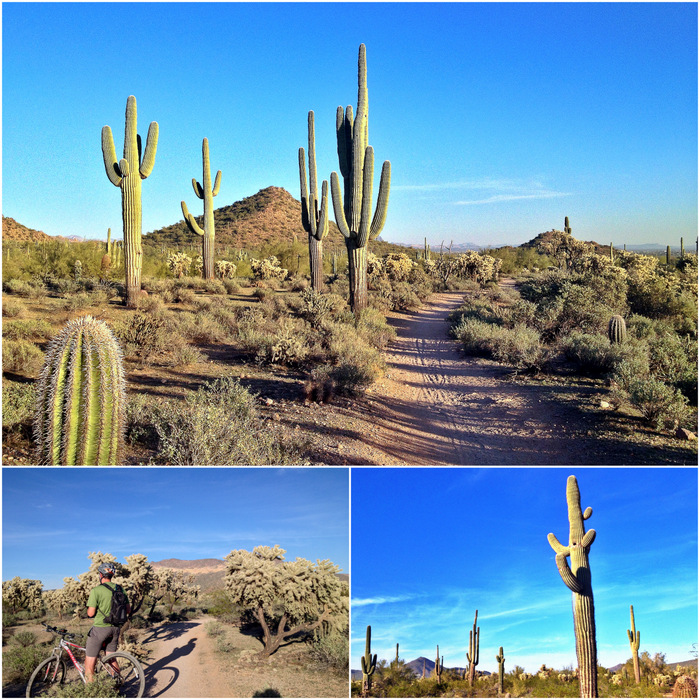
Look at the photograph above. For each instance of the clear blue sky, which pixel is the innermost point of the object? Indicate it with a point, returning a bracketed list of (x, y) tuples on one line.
[(430, 546), (499, 119), (53, 518)]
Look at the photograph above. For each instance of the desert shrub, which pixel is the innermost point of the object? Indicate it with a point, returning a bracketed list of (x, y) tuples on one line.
[(99, 688), (262, 293), (674, 360), (23, 329), (316, 307), (185, 355), (659, 403), (183, 295), (144, 335), (214, 628), (21, 356), (331, 650), (591, 352), (216, 425), (11, 308), (372, 326), (202, 327), (231, 286), (403, 297), (149, 304), (31, 289), (24, 638), (18, 662), (18, 401), (287, 346), (521, 312), (213, 286)]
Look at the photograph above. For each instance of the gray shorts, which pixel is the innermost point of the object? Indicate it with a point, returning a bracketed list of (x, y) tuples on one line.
[(98, 636)]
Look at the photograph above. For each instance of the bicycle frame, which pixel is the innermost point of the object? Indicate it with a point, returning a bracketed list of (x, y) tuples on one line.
[(63, 645)]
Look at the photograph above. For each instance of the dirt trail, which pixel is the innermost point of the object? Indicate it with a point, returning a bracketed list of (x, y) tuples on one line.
[(183, 663), (438, 406)]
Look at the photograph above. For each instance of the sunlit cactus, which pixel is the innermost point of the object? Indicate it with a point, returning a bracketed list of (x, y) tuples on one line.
[(313, 219), (473, 654), (577, 578), (438, 665), (127, 174), (79, 417), (368, 664), (205, 192), (501, 669), (567, 228), (353, 207), (633, 635), (617, 329), (685, 687)]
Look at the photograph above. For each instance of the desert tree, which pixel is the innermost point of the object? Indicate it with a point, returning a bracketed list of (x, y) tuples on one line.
[(285, 597)]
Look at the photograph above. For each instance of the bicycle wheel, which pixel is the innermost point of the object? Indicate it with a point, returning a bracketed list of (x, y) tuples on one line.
[(129, 680), (49, 674)]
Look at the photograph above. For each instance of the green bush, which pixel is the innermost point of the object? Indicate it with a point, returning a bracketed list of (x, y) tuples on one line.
[(660, 404), (287, 346), (144, 335), (19, 662), (18, 400), (12, 307), (24, 638), (372, 326), (591, 352), (27, 328), (216, 425), (21, 356), (331, 650), (99, 688)]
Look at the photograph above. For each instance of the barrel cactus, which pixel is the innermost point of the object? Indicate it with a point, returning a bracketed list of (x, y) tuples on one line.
[(685, 687), (577, 578), (81, 398), (617, 329)]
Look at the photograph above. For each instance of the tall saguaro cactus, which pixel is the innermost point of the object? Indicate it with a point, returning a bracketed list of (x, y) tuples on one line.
[(314, 221), (438, 665), (473, 655), (633, 635), (368, 663), (81, 401), (501, 669), (353, 208), (577, 578), (567, 228), (127, 175), (206, 193)]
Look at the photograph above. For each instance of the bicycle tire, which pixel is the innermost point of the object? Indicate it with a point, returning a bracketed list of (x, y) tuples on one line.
[(50, 672), (132, 680)]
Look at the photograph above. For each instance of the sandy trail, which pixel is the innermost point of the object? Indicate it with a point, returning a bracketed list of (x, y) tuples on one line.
[(184, 665), (437, 406)]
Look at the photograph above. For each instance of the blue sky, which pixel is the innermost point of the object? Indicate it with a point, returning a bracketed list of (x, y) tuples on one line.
[(430, 546), (499, 119), (53, 518)]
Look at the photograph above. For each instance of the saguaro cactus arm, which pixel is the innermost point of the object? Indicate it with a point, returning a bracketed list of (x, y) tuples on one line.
[(633, 634), (114, 169), (191, 223), (149, 157)]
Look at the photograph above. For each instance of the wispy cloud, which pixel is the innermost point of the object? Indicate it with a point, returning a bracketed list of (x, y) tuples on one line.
[(513, 197), (380, 600)]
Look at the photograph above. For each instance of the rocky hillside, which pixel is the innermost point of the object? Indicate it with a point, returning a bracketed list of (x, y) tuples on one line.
[(268, 217), (14, 231)]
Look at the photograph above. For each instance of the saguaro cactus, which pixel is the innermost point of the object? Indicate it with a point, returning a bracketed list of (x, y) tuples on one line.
[(315, 222), (668, 255), (397, 653), (368, 663), (127, 175), (106, 261), (501, 668), (473, 655), (79, 417), (567, 228), (633, 635), (206, 193), (353, 209), (577, 578), (682, 249), (438, 666), (617, 329)]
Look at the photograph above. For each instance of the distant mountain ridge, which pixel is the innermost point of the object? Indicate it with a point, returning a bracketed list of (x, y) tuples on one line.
[(14, 231)]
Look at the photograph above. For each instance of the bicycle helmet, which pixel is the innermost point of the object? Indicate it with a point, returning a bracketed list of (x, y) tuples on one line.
[(106, 569)]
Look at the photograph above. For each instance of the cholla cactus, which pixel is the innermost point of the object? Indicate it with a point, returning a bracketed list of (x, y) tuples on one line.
[(57, 601), (22, 594), (398, 266), (197, 264), (225, 269), (375, 265), (77, 270), (617, 679), (267, 269), (179, 264), (544, 672), (81, 397)]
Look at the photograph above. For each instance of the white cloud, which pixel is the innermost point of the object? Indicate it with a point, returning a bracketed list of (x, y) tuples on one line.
[(512, 197), (379, 600)]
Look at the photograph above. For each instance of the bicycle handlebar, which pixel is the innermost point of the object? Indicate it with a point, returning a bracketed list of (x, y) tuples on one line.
[(62, 633)]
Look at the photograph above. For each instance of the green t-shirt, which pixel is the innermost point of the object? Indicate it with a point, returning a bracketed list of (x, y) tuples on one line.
[(101, 599)]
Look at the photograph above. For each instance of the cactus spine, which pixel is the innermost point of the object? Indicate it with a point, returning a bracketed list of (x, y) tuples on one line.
[(206, 193), (368, 663), (578, 579), (79, 417), (617, 329), (501, 669), (473, 655), (315, 222), (438, 665), (127, 175), (633, 635), (353, 210)]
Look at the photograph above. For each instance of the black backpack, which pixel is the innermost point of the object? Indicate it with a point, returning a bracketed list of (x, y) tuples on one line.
[(117, 614)]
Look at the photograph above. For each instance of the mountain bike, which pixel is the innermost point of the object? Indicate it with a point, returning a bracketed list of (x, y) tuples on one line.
[(120, 668)]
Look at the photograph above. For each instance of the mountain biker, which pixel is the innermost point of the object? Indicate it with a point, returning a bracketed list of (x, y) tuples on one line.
[(101, 634)]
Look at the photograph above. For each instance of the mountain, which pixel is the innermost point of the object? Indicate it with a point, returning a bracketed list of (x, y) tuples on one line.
[(268, 217), (14, 231)]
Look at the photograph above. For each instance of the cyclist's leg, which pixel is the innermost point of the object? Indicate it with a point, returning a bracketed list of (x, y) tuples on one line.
[(95, 641), (110, 646)]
